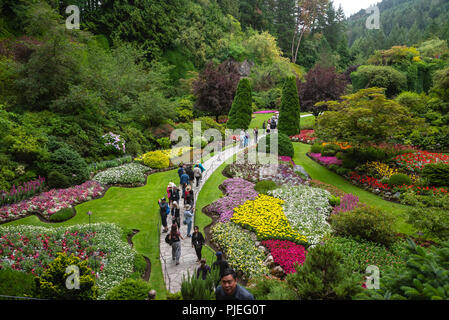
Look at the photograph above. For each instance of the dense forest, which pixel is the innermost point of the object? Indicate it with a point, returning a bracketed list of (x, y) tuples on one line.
[(136, 70)]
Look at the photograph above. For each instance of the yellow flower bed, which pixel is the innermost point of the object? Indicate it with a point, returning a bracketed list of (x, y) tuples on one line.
[(385, 170), (265, 216), (161, 158)]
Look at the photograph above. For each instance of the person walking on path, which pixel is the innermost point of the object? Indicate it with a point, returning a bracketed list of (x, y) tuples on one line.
[(197, 242), (264, 126), (169, 192), (188, 215), (246, 139), (230, 289), (256, 134), (188, 196), (190, 173), (175, 237), (176, 215), (242, 138), (174, 194), (220, 263), (180, 170), (200, 165), (198, 175), (203, 270), (163, 209), (184, 181)]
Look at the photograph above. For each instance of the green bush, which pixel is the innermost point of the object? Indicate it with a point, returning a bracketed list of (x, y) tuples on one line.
[(432, 221), (69, 163), (289, 111), (341, 171), (129, 289), (330, 150), (57, 180), (174, 296), (316, 148), (437, 174), (271, 289), (164, 143), (334, 201), (140, 264), (425, 277), (16, 283), (369, 76), (323, 275), (400, 179), (241, 109), (285, 145), (52, 283), (63, 215), (193, 288), (265, 186), (366, 222)]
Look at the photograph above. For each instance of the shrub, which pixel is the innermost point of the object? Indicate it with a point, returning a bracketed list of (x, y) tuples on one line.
[(52, 283), (129, 289), (369, 223), (285, 146), (174, 296), (63, 215), (334, 201), (57, 180), (265, 186), (193, 288), (432, 221), (16, 283), (289, 111), (379, 76), (271, 289), (241, 109), (155, 159), (69, 163), (140, 264), (164, 142), (330, 150), (316, 148), (437, 174), (425, 277), (399, 179), (323, 276)]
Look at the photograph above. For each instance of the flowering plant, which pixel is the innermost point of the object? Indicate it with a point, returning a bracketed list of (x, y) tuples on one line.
[(114, 141), (415, 161), (306, 136), (326, 160), (22, 192), (126, 174), (286, 253)]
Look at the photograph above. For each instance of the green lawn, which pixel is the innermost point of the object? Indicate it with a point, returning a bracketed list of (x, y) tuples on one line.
[(321, 173), (130, 208)]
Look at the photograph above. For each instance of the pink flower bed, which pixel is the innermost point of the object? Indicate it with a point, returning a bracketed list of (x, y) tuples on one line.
[(347, 203), (306, 136), (286, 253), (238, 191), (326, 160), (265, 111), (52, 201)]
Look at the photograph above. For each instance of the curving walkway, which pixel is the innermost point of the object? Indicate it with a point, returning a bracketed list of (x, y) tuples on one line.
[(173, 273)]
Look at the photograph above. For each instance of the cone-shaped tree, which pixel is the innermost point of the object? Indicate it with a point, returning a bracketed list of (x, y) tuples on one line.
[(241, 109), (289, 112)]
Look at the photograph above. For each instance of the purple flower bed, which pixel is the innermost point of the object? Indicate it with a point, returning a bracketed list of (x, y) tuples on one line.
[(252, 172), (347, 203), (22, 192), (50, 202), (326, 160), (238, 191)]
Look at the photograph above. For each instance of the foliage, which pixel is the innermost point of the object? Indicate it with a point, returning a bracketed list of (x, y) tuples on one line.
[(52, 283), (323, 276), (400, 179), (63, 215), (379, 76), (193, 288), (126, 174), (265, 186), (270, 289), (129, 289), (57, 180), (240, 114), (425, 277), (365, 222), (431, 221), (16, 283), (365, 117), (437, 174), (155, 159), (289, 111)]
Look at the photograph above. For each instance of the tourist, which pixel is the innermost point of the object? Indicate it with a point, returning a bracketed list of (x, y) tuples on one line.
[(198, 164), (169, 192), (246, 140), (197, 242), (203, 269), (198, 175), (188, 215), (151, 295), (163, 207), (256, 134), (230, 289), (184, 181), (174, 194), (188, 195), (175, 213), (242, 138), (180, 170), (190, 173), (220, 263), (175, 237), (268, 129), (264, 126)]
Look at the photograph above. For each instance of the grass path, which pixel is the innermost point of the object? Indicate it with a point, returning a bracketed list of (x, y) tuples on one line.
[(130, 208), (318, 172)]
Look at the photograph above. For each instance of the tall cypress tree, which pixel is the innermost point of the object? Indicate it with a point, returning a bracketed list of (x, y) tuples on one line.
[(241, 109), (289, 113)]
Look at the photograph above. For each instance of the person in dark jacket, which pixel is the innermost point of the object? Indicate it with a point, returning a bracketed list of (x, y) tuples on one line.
[(191, 174), (183, 182), (220, 263), (197, 242), (163, 206), (203, 270), (181, 170), (175, 194), (176, 214), (188, 195), (230, 289)]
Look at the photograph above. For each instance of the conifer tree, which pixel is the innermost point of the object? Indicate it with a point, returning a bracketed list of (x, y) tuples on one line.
[(289, 113), (241, 109)]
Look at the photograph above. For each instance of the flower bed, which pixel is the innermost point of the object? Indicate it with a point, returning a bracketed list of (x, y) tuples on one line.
[(265, 216), (286, 253), (415, 161), (306, 209), (50, 202), (306, 136), (265, 111), (241, 253), (22, 192), (347, 203), (326, 160), (126, 174), (384, 170), (31, 249), (237, 192)]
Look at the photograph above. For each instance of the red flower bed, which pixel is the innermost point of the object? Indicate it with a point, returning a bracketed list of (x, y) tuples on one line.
[(286, 253), (415, 161), (306, 136)]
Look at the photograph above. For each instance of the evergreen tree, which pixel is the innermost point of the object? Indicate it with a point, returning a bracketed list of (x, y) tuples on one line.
[(241, 109), (289, 114)]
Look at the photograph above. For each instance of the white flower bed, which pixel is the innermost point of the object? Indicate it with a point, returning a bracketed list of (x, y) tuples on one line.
[(126, 174), (306, 209)]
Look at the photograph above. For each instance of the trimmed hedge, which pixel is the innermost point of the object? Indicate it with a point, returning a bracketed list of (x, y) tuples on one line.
[(400, 179), (16, 283), (437, 174), (285, 145), (63, 215)]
